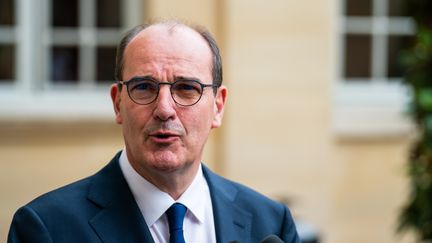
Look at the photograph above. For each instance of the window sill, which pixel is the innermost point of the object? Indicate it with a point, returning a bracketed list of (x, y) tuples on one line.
[(370, 110), (59, 105)]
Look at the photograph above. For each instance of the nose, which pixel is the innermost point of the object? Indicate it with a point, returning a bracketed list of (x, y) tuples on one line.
[(165, 104)]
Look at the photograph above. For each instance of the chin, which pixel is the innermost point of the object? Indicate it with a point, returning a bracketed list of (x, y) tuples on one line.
[(166, 167), (166, 162)]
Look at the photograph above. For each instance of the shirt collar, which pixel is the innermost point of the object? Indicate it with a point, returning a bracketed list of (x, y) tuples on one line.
[(153, 202), (194, 196)]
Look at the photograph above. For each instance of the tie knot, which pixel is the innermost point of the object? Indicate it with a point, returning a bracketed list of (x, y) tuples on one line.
[(175, 216)]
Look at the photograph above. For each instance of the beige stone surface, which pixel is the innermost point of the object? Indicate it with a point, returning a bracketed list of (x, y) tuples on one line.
[(281, 62)]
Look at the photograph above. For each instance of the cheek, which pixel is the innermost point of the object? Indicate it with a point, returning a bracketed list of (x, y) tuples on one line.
[(127, 123), (133, 119), (197, 126)]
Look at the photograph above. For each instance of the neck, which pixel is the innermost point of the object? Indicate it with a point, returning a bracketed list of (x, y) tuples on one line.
[(173, 182)]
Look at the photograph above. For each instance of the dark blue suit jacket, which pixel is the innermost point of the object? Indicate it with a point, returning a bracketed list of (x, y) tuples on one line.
[(101, 208)]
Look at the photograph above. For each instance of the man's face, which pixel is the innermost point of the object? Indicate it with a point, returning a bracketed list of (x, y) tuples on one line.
[(164, 136)]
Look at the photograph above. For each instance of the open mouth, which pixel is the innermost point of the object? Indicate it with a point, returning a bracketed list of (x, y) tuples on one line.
[(163, 137)]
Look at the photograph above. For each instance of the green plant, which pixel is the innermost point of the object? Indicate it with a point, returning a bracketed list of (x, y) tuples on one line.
[(417, 213)]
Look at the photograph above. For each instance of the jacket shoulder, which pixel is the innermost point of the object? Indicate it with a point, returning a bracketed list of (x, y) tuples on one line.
[(268, 216), (77, 193), (240, 193), (64, 196)]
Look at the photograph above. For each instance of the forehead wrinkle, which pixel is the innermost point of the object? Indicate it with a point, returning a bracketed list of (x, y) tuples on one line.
[(168, 49), (178, 36), (155, 51), (167, 69)]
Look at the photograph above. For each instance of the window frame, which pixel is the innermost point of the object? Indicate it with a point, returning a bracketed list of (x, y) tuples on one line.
[(376, 107), (32, 96)]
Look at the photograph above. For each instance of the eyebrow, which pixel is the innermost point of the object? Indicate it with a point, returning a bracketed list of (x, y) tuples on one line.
[(183, 78), (176, 78), (147, 77)]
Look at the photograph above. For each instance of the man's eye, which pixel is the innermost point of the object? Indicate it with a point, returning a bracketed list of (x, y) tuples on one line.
[(186, 87), (143, 86)]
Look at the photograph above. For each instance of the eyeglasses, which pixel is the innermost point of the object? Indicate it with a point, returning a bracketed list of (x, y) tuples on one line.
[(185, 92)]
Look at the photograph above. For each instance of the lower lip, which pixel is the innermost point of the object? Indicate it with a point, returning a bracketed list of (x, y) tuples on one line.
[(166, 140)]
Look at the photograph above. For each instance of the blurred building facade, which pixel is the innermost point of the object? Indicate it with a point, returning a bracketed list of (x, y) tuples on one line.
[(315, 114)]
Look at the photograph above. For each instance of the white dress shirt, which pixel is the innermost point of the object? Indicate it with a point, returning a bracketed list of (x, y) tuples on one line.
[(198, 225)]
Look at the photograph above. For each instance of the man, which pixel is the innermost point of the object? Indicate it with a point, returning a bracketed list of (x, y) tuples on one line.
[(168, 97)]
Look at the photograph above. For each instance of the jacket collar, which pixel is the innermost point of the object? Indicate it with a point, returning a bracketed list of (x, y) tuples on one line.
[(120, 219), (232, 223)]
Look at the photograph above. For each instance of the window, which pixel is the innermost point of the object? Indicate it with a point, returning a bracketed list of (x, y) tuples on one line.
[(370, 99), (57, 57), (7, 41)]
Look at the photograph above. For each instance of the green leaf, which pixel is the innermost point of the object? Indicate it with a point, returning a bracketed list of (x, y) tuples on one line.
[(425, 99)]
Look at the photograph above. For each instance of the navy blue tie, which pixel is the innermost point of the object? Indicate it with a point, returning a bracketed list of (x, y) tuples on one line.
[(175, 216)]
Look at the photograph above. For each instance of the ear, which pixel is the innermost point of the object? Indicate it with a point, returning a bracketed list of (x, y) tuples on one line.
[(115, 97), (219, 105)]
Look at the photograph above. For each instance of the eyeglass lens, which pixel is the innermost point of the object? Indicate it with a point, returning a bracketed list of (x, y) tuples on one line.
[(184, 92)]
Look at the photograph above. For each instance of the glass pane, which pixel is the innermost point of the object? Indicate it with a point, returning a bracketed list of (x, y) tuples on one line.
[(7, 12), (7, 62), (357, 56), (65, 13), (395, 45), (64, 64), (108, 13), (398, 7), (358, 7), (106, 63)]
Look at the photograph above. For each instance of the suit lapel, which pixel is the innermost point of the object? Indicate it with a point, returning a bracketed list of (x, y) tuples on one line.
[(120, 219), (232, 223)]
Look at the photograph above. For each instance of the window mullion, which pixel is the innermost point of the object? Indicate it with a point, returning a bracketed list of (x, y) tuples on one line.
[(380, 8), (87, 57), (379, 39), (29, 45), (379, 48), (130, 15)]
